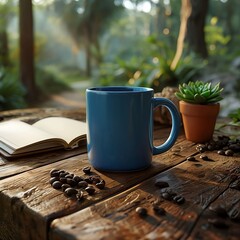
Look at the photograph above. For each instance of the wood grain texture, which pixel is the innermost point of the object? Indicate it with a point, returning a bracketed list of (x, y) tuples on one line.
[(202, 183), (30, 203)]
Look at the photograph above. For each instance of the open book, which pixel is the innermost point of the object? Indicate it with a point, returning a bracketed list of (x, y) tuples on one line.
[(18, 138)]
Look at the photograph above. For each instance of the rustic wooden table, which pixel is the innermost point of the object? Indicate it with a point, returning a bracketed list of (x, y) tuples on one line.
[(32, 209)]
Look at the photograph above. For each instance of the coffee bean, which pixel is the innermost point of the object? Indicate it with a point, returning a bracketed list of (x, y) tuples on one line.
[(77, 178), (100, 184), (63, 180), (201, 148), (54, 173), (88, 179), (63, 174), (79, 195), (221, 152), (69, 175), (82, 184), (141, 211), (95, 179), (234, 147), (219, 211), (65, 186), (70, 192), (191, 159), (229, 152), (235, 185), (159, 210), (234, 215), (210, 147), (166, 196), (161, 184), (204, 157), (57, 184), (179, 199), (218, 223), (90, 190), (71, 182), (87, 170), (53, 179)]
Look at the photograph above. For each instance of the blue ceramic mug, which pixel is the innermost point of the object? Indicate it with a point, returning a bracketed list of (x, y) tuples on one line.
[(120, 127)]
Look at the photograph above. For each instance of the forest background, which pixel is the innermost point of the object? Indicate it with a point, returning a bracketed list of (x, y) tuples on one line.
[(49, 46)]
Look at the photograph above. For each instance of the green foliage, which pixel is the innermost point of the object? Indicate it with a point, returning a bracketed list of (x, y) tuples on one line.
[(11, 91), (199, 92), (235, 116), (49, 82), (151, 68)]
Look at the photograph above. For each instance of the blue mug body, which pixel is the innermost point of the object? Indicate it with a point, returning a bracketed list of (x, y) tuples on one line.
[(120, 127)]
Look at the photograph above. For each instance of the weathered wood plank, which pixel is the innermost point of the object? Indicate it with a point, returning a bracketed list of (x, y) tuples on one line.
[(33, 114), (201, 183), (27, 199)]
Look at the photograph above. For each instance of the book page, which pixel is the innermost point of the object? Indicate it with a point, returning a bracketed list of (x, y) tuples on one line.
[(61, 127), (17, 134)]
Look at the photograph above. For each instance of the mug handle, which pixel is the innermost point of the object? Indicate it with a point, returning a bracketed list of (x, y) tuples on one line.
[(176, 122)]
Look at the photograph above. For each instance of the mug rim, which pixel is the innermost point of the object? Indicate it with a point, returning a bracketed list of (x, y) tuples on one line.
[(119, 89)]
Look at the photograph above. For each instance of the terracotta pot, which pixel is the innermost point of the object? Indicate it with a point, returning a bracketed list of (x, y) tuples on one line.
[(199, 120)]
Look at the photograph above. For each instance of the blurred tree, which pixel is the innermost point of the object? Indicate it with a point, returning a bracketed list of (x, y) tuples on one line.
[(27, 48), (6, 10), (193, 15), (84, 20)]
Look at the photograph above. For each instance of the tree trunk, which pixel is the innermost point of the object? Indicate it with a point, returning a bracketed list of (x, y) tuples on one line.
[(193, 15), (195, 35), (4, 60), (27, 48)]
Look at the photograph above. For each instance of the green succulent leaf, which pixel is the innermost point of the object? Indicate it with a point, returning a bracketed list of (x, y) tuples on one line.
[(199, 92)]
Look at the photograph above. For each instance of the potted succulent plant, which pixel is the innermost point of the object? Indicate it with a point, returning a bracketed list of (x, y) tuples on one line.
[(199, 106)]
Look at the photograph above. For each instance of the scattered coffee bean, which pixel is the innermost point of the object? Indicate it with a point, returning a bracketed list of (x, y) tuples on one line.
[(71, 182), (68, 182), (70, 192), (57, 185), (69, 175), (63, 180), (201, 148), (166, 196), (100, 184), (219, 211), (90, 190), (210, 147), (87, 170), (218, 223), (88, 179), (229, 152), (234, 147), (221, 152), (179, 199), (65, 186), (204, 157), (159, 210), (79, 195), (161, 184), (234, 215), (77, 178), (63, 174), (53, 179), (235, 185), (82, 184), (141, 211), (191, 159), (54, 173), (95, 179)]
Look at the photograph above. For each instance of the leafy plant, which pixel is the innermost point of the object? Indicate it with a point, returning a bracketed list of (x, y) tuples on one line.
[(11, 91), (199, 92), (235, 116)]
